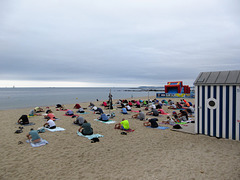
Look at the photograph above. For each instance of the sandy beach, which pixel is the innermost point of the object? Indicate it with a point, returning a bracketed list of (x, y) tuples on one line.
[(143, 154)]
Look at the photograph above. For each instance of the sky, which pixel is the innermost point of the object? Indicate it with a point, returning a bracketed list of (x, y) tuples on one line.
[(116, 43)]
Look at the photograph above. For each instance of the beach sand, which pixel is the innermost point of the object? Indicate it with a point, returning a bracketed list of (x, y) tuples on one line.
[(143, 154)]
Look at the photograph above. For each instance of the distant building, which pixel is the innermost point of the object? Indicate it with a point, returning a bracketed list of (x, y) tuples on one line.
[(217, 104)]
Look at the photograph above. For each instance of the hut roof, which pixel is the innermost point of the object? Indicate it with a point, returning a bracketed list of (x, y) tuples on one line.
[(218, 78)]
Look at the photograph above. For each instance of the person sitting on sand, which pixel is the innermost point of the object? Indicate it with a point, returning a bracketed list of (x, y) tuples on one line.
[(77, 106), (172, 106), (190, 110), (183, 115), (69, 112), (178, 106), (23, 120), (98, 110), (103, 117), (38, 109), (79, 120), (123, 125), (139, 115), (86, 128), (151, 122), (159, 105), (137, 104), (128, 107), (169, 121), (50, 124), (91, 105), (124, 111), (154, 112), (33, 136), (63, 108), (50, 115), (80, 110), (130, 103), (34, 113)]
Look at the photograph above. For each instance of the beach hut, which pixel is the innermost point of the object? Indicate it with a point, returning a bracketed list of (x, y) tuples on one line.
[(217, 104)]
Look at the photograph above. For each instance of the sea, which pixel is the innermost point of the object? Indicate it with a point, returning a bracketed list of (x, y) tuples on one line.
[(16, 98)]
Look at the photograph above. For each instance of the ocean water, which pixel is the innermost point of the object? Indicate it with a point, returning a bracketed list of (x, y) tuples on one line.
[(15, 98)]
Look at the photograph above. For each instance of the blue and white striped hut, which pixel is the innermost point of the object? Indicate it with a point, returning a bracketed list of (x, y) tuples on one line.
[(217, 104)]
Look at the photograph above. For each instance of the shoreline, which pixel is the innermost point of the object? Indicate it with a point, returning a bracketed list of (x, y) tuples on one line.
[(143, 154)]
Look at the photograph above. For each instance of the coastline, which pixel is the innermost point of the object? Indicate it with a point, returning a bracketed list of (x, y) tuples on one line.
[(143, 154)]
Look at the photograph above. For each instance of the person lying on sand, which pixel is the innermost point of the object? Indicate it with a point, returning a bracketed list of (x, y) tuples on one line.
[(124, 125), (86, 128), (33, 136), (139, 115), (151, 122)]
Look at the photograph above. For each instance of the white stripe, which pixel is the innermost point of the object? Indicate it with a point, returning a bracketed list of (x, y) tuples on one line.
[(196, 109), (217, 112), (206, 110), (224, 113), (230, 111), (200, 110), (211, 114), (238, 112)]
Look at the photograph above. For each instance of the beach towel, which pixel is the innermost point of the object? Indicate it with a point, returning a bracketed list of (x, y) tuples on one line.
[(106, 122), (90, 136), (159, 127), (56, 129), (134, 111), (41, 143), (30, 124), (84, 113)]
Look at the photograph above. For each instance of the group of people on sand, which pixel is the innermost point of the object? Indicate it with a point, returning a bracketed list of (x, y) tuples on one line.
[(86, 128)]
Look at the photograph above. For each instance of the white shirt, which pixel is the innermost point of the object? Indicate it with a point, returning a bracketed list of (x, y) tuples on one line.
[(51, 123)]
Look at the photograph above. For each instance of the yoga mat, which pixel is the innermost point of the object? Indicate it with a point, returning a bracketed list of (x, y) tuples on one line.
[(56, 129), (90, 136), (106, 122), (182, 123), (164, 114), (41, 143), (30, 124), (159, 127), (134, 111), (84, 113)]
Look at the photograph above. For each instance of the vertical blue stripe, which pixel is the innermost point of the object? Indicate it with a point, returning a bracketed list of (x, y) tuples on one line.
[(234, 110), (203, 109), (208, 113), (198, 111), (227, 112), (220, 111), (214, 112)]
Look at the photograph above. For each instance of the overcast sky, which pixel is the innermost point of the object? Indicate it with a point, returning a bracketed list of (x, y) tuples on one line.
[(116, 42)]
